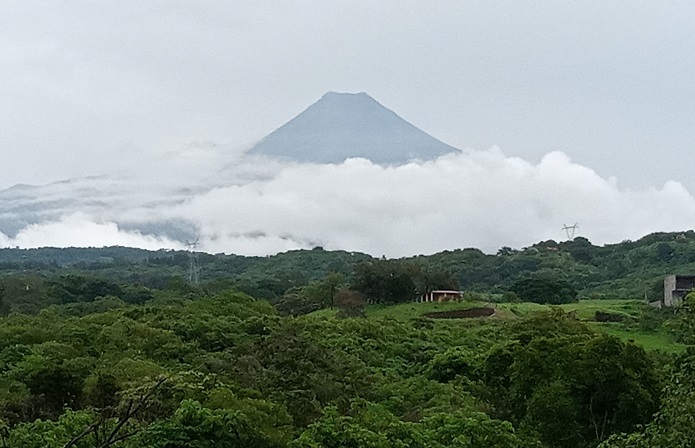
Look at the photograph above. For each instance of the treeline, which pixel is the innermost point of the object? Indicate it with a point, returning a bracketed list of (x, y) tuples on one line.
[(624, 270), (377, 281), (208, 370)]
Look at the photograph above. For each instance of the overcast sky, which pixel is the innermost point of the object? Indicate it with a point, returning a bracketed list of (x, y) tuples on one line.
[(90, 88), (609, 83)]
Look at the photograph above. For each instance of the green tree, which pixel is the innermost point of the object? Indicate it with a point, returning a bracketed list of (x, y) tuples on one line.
[(686, 319), (57, 433), (54, 376), (545, 288), (385, 281), (4, 305), (664, 252), (505, 251), (196, 426), (333, 281), (314, 296), (673, 426), (571, 387), (78, 288), (430, 279), (370, 425)]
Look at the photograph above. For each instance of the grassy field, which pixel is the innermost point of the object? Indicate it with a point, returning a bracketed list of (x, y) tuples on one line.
[(649, 340), (585, 311)]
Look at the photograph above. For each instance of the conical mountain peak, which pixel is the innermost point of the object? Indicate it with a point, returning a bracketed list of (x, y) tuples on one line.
[(344, 125), (345, 95)]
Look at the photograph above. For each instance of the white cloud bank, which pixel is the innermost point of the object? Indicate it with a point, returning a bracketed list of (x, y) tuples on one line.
[(479, 199), (78, 230)]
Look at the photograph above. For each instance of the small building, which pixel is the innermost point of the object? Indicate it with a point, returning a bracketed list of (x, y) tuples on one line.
[(441, 295), (676, 287)]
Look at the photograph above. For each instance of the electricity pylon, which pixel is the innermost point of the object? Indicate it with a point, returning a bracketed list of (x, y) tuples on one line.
[(570, 230), (193, 265)]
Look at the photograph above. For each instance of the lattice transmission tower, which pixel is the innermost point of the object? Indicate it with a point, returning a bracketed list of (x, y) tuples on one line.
[(570, 230), (193, 265)]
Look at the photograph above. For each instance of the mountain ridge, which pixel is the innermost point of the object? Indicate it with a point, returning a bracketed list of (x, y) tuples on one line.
[(344, 125)]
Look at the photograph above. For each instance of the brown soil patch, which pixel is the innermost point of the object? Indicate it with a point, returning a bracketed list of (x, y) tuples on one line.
[(462, 314), (608, 317)]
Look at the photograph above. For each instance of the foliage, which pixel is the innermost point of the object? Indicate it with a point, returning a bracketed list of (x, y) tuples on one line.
[(314, 296), (545, 288), (77, 288), (572, 388), (349, 303), (52, 434), (194, 426), (673, 426), (85, 334), (385, 281), (394, 281), (370, 425), (686, 321), (625, 270)]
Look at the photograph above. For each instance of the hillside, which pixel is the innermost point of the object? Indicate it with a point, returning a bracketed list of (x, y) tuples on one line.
[(631, 269), (117, 343), (225, 369)]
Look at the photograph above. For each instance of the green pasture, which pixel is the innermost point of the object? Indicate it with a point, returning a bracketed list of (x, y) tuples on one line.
[(585, 311), (649, 340)]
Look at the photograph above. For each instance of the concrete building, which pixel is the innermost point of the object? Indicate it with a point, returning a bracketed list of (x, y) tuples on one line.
[(676, 287), (441, 295)]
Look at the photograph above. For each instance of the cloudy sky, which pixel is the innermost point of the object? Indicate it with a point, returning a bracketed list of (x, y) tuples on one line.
[(588, 108)]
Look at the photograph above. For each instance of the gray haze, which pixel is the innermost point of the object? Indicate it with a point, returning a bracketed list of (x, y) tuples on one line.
[(124, 122)]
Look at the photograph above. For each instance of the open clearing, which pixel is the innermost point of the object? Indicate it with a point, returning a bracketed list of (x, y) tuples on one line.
[(465, 313)]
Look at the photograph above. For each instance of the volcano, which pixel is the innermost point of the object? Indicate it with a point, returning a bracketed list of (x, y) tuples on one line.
[(345, 125)]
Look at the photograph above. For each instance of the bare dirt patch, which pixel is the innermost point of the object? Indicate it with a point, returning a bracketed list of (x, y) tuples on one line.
[(608, 317), (469, 313)]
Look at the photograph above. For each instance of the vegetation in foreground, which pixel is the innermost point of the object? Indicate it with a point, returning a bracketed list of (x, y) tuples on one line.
[(119, 353), (227, 370)]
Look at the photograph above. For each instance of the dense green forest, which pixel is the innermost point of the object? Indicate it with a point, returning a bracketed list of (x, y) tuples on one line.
[(121, 347), (617, 271)]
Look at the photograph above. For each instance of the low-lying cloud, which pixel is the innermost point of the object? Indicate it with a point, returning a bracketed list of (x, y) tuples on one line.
[(255, 207), (79, 230)]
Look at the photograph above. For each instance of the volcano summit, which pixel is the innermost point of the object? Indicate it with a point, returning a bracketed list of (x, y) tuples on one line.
[(344, 125)]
